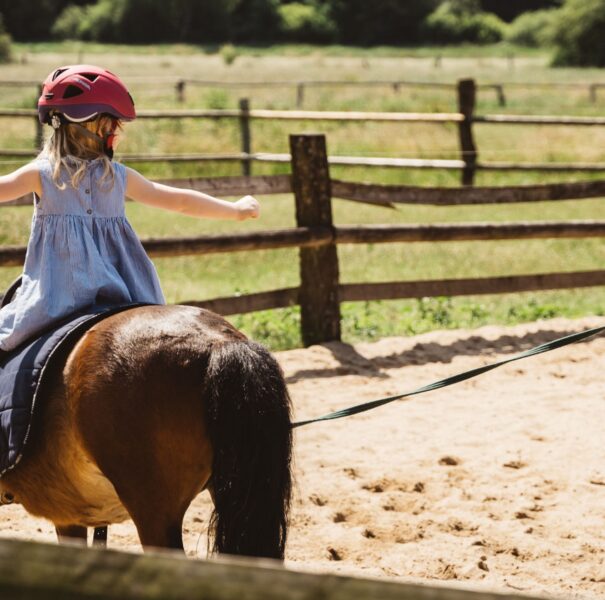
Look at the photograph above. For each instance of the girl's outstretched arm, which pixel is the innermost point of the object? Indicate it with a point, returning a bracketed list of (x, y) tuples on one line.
[(19, 183), (188, 202)]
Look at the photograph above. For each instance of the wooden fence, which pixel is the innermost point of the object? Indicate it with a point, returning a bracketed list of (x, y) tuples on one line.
[(35, 571), (465, 120), (181, 85), (396, 85), (320, 291)]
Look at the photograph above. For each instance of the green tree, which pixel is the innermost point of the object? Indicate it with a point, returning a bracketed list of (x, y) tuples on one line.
[(307, 23), (5, 43), (368, 22), (254, 20), (147, 21), (510, 9), (533, 29), (578, 34), (29, 20)]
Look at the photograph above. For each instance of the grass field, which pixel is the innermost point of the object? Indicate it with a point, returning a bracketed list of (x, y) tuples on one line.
[(189, 278)]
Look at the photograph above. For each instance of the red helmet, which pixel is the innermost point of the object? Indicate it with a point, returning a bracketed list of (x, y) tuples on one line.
[(82, 92)]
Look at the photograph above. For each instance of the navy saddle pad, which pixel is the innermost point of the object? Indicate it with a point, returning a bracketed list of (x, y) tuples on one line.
[(22, 376)]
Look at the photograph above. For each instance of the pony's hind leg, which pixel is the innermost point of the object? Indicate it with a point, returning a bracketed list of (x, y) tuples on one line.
[(154, 532), (70, 534), (154, 479), (157, 456)]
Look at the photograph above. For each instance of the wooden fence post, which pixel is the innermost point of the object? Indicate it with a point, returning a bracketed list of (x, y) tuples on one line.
[(39, 140), (246, 140), (319, 301), (179, 88), (500, 94), (467, 93), (511, 61), (300, 94)]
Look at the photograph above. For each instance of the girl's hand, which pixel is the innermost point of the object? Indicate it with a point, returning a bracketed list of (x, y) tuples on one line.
[(247, 208)]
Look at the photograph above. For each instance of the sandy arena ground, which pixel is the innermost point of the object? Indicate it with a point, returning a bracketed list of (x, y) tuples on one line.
[(497, 483)]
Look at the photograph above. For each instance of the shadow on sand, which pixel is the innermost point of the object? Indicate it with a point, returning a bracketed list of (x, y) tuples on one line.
[(353, 363)]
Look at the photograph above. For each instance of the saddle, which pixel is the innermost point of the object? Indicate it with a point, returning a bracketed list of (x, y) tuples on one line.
[(22, 377), (10, 292), (23, 370)]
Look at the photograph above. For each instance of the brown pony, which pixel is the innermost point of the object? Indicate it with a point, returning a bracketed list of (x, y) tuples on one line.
[(149, 408)]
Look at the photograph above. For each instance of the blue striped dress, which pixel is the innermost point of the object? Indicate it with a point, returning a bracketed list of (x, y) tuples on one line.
[(81, 251)]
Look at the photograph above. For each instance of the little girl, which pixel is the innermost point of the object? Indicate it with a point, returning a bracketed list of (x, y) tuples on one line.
[(82, 250)]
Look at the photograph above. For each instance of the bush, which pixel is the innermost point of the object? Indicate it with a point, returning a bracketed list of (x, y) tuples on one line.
[(228, 53), (532, 29), (457, 21), (306, 23), (578, 34)]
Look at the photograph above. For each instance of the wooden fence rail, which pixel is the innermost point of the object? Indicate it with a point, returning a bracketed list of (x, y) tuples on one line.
[(317, 237), (359, 161), (441, 196), (335, 115), (387, 195), (396, 85), (35, 571)]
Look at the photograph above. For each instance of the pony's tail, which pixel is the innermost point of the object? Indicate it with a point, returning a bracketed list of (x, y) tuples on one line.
[(248, 415)]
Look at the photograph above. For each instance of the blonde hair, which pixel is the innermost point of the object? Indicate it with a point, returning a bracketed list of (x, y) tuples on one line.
[(69, 147)]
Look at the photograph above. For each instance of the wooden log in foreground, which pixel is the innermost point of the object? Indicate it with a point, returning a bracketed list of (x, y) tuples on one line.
[(34, 571)]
